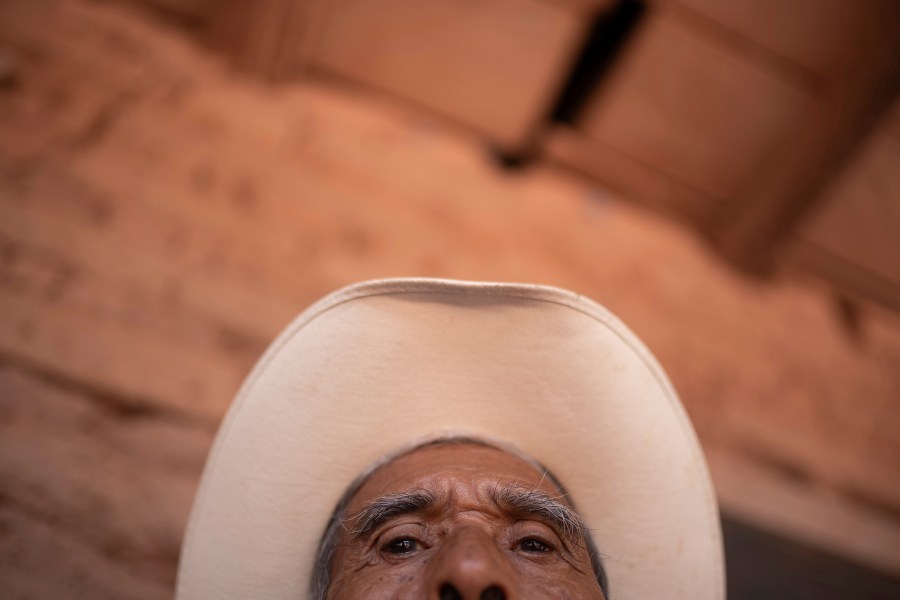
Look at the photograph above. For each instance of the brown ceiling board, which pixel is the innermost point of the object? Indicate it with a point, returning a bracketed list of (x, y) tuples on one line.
[(192, 11), (860, 217), (268, 38), (627, 175), (864, 89), (853, 239), (494, 65), (583, 7), (695, 110), (804, 35)]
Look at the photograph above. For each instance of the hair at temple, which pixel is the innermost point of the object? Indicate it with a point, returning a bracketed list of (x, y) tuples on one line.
[(567, 518)]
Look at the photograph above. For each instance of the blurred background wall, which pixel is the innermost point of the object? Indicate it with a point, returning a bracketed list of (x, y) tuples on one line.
[(179, 178)]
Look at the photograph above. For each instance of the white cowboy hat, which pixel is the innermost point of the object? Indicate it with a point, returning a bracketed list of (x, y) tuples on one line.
[(374, 366)]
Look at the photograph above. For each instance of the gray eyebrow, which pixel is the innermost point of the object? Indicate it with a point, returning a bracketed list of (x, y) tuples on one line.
[(519, 501), (384, 508), (541, 506)]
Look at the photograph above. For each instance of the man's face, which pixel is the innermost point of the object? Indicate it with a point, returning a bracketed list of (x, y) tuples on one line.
[(461, 521)]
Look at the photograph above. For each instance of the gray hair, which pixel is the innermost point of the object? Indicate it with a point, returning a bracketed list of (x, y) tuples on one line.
[(321, 577)]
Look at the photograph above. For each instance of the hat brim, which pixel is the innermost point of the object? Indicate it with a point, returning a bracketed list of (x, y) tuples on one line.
[(376, 365)]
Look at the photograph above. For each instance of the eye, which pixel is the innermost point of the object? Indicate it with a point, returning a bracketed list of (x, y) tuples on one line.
[(401, 545), (534, 546)]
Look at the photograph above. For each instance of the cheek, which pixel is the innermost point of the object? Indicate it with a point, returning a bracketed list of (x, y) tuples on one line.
[(563, 583), (381, 581), (563, 590)]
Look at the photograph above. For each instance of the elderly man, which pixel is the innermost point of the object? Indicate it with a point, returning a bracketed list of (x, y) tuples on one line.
[(431, 439), (458, 518)]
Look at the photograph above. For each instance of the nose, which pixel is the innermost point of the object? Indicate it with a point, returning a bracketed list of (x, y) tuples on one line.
[(470, 566), (449, 592)]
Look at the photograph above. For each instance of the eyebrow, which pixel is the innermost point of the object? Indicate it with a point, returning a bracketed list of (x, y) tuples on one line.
[(517, 500), (537, 505), (382, 509)]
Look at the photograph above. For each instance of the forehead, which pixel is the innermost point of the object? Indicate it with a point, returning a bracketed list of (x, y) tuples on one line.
[(457, 466)]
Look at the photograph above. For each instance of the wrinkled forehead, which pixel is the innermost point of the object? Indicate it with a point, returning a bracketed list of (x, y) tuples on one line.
[(454, 466)]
